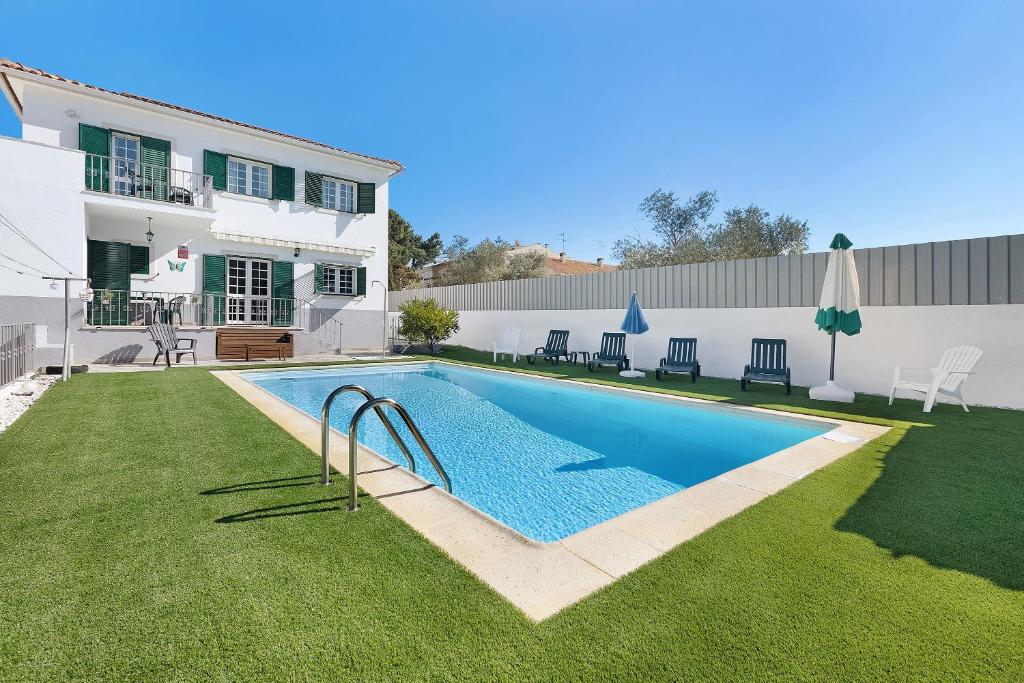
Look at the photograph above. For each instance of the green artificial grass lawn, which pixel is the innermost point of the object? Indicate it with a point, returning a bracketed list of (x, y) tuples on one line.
[(156, 526)]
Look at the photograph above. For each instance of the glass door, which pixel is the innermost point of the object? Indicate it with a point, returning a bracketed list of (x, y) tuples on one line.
[(124, 152), (248, 291), (259, 292)]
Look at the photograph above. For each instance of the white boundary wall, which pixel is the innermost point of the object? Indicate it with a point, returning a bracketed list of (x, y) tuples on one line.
[(909, 336)]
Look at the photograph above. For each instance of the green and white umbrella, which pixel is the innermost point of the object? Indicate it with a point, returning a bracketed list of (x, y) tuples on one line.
[(839, 310)]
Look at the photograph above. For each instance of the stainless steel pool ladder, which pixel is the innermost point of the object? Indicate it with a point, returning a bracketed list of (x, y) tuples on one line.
[(353, 438)]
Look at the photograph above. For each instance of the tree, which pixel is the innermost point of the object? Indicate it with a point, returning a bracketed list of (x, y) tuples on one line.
[(751, 232), (425, 321), (488, 261), (407, 251), (685, 235)]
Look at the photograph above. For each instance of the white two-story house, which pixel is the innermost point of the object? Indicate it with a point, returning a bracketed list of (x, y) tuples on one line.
[(180, 216)]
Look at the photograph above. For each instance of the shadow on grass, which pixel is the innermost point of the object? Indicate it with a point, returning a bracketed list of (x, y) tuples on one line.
[(289, 510), (942, 498), (263, 485)]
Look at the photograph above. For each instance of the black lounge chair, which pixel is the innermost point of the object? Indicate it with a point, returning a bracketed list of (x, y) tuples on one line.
[(681, 359), (167, 342), (767, 364), (557, 346), (613, 352)]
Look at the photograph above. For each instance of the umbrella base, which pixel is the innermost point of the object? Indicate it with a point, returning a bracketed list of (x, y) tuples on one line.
[(632, 373), (832, 392)]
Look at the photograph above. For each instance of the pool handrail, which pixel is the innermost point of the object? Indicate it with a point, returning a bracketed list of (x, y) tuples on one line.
[(325, 430), (353, 446)]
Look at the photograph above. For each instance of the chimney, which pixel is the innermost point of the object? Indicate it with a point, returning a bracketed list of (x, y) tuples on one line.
[(561, 256), (600, 261)]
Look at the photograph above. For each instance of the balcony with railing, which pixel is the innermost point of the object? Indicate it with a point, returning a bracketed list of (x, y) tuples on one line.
[(127, 178), (125, 309)]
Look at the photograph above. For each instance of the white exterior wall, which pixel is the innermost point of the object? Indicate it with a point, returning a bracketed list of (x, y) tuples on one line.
[(908, 336), (36, 195), (45, 121)]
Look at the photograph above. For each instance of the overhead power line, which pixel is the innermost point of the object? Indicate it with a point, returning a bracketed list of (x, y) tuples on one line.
[(13, 228), (15, 270), (24, 265)]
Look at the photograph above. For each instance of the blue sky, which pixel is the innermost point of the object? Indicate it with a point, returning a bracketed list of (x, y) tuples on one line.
[(892, 122)]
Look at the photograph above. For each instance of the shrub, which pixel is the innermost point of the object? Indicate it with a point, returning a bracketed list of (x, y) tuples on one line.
[(424, 321)]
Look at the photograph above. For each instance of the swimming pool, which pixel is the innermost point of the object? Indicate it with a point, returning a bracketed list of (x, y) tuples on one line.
[(546, 458)]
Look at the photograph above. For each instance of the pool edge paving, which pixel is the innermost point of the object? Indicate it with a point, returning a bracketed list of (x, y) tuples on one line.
[(542, 579)]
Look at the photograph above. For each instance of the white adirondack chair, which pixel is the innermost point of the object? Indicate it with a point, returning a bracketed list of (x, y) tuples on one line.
[(509, 344), (948, 377)]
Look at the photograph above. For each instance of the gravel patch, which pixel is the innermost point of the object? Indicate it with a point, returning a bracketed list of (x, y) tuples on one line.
[(12, 405)]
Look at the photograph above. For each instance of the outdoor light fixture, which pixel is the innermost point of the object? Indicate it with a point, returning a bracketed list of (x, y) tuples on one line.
[(149, 232), (296, 252)]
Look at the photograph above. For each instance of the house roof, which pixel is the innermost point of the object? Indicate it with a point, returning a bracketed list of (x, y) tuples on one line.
[(7, 64), (571, 267)]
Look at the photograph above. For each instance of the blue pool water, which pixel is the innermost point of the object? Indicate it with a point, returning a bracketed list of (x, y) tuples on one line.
[(546, 458)]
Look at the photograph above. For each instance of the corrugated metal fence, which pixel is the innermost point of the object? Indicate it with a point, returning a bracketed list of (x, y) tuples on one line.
[(986, 270), (17, 350)]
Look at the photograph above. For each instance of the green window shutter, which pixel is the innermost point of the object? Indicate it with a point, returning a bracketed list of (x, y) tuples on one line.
[(318, 278), (214, 278), (284, 183), (107, 268), (156, 159), (138, 259), (314, 188), (155, 152), (283, 279), (108, 265), (215, 165), (366, 198), (283, 291), (360, 281), (214, 283), (95, 142)]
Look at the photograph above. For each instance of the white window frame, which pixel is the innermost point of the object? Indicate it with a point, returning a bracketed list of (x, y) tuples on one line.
[(132, 168), (337, 280), (249, 165), (354, 187)]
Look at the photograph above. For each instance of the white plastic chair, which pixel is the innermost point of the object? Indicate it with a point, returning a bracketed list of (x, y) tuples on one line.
[(509, 344), (948, 377)]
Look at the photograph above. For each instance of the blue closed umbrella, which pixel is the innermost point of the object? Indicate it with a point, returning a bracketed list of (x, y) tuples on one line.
[(634, 324)]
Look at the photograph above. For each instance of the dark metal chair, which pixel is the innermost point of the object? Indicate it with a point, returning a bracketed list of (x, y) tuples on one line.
[(557, 346), (174, 308), (167, 342), (767, 364), (613, 352), (681, 359)]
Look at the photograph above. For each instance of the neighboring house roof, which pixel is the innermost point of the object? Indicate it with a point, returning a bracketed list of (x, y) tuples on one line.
[(571, 267), (17, 66), (553, 266)]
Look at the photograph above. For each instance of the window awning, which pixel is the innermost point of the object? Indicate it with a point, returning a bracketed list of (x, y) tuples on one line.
[(294, 244)]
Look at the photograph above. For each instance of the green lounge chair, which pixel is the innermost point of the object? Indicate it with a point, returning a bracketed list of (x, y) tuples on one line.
[(681, 359), (557, 346), (613, 352), (767, 364)]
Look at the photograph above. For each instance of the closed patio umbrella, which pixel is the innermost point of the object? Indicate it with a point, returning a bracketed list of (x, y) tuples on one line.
[(839, 311), (634, 324)]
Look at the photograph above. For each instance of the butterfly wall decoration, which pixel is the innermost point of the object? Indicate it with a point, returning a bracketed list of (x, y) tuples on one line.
[(176, 265)]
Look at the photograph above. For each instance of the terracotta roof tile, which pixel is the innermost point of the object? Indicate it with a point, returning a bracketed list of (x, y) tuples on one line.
[(17, 66), (570, 267)]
